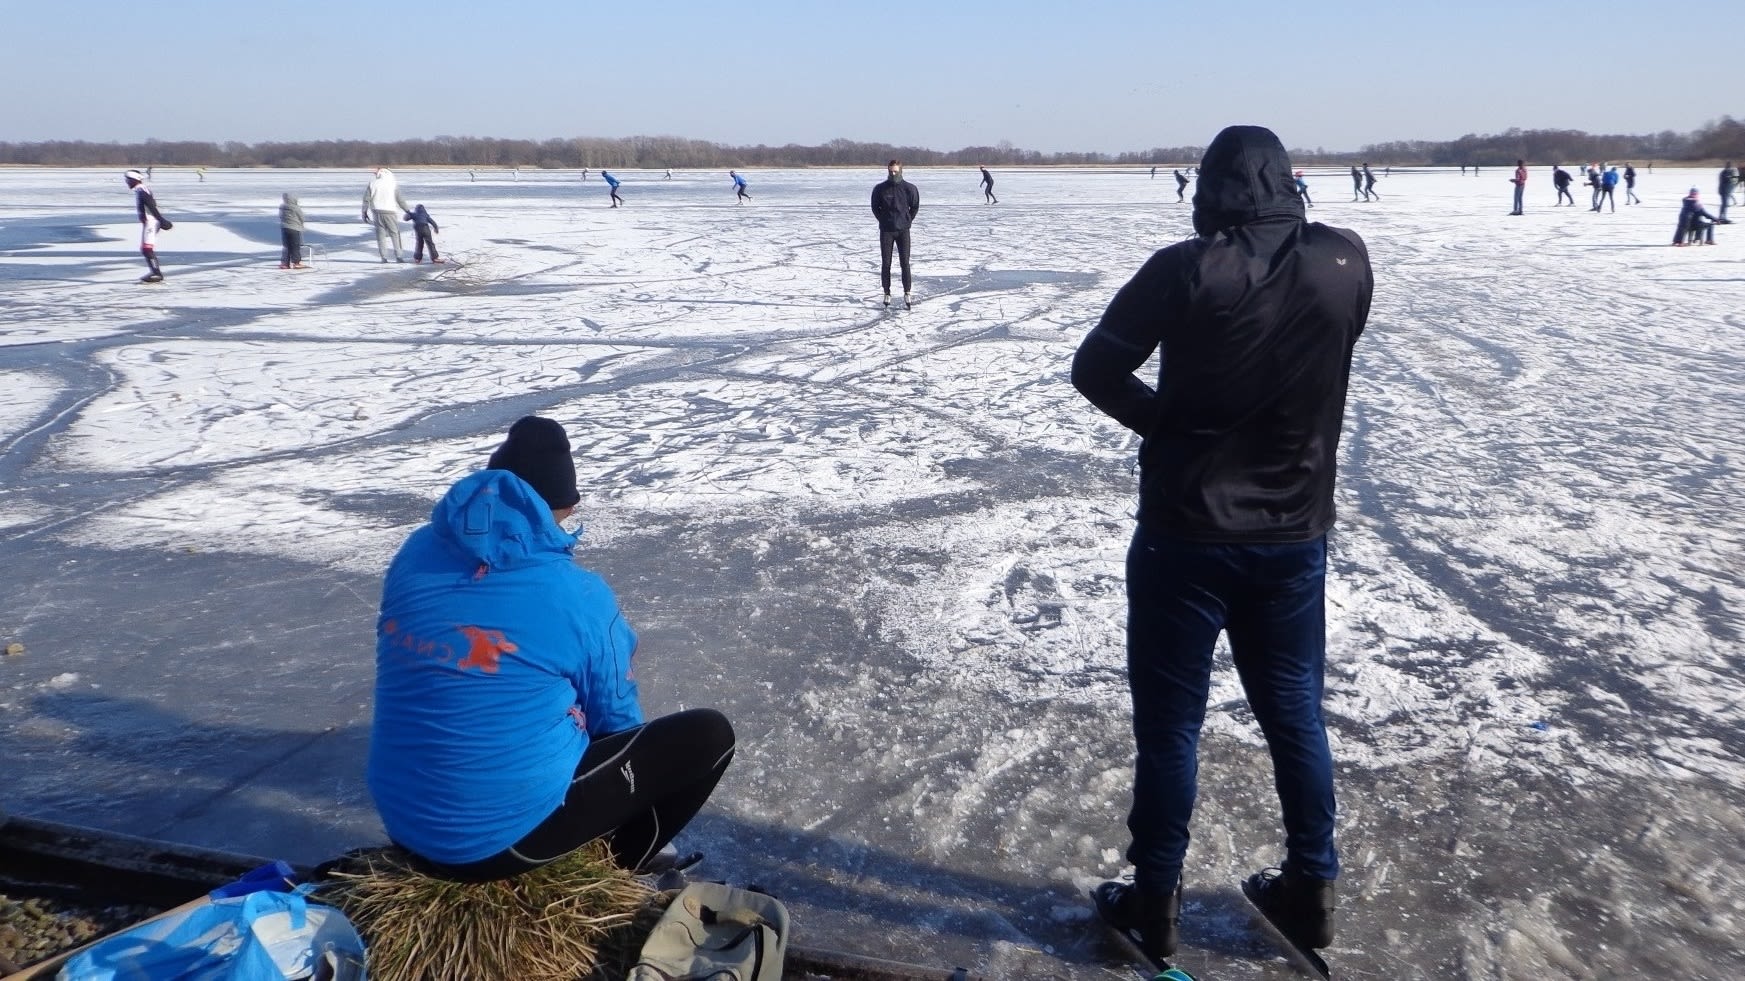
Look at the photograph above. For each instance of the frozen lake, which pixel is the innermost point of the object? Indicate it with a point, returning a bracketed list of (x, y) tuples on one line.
[(890, 547)]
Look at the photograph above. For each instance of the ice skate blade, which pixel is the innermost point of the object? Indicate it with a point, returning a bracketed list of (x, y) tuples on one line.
[(1145, 966), (1304, 959)]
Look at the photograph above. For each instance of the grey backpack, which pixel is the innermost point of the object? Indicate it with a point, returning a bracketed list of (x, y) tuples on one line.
[(714, 932)]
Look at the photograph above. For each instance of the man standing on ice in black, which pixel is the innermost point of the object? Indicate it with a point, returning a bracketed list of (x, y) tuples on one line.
[(1560, 179), (151, 221), (1357, 184), (1254, 323), (988, 187), (895, 203), (1181, 185)]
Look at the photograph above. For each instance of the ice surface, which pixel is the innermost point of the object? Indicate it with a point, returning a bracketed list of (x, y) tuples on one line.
[(890, 546)]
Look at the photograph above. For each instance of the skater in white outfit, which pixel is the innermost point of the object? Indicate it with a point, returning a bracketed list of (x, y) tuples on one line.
[(382, 198)]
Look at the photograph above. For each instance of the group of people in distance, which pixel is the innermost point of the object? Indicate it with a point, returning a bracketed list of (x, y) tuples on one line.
[(508, 727), (1695, 223), (384, 206)]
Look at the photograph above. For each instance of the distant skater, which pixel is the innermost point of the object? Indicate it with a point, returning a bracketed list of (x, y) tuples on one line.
[(201, 173), (1356, 184), (424, 229), (612, 184), (151, 221), (739, 192), (1520, 182), (1561, 180), (895, 202), (383, 198), (1695, 224), (988, 188), (473, 177), (1303, 190), (1630, 185), (1728, 181), (1181, 186), (669, 173), (291, 233), (1463, 170), (1369, 190), (1154, 173)]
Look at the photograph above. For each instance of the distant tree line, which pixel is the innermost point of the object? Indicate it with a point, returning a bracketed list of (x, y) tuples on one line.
[(1724, 139), (1720, 140)]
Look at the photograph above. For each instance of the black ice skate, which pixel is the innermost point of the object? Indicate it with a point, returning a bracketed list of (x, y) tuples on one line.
[(1297, 912)]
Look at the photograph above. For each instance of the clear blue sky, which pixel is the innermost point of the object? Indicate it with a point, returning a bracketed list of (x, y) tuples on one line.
[(1093, 75)]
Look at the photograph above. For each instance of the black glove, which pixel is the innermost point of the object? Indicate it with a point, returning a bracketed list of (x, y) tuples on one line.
[(165, 225)]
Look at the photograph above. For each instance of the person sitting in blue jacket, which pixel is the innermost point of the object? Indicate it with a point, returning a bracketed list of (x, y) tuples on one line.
[(508, 730)]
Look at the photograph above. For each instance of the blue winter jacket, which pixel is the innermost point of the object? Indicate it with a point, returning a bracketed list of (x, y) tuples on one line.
[(1610, 180), (497, 658), (609, 178)]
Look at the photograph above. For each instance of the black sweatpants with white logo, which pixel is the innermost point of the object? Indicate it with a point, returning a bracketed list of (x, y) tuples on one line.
[(637, 789)]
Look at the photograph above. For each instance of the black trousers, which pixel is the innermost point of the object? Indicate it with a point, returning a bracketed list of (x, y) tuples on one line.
[(637, 789), (423, 238), (293, 251), (887, 239)]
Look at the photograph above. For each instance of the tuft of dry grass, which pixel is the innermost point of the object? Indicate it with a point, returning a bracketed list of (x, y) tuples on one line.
[(556, 923)]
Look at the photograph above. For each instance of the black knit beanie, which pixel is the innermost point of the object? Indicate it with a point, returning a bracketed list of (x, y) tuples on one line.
[(538, 451)]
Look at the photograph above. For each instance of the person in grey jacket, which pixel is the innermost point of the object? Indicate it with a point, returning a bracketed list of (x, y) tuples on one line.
[(383, 197), (291, 233)]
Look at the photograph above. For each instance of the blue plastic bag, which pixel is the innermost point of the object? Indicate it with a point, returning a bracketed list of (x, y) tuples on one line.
[(263, 936), (273, 875)]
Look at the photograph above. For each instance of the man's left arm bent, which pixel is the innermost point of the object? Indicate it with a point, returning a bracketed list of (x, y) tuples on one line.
[(1122, 341)]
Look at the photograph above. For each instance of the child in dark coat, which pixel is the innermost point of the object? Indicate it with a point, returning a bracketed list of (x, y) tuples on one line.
[(425, 228)]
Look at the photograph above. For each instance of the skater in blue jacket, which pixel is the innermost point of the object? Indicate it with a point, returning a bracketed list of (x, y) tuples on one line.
[(612, 183)]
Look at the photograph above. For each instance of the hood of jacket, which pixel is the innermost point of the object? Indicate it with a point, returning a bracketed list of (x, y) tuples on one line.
[(499, 521), (291, 199), (1245, 176)]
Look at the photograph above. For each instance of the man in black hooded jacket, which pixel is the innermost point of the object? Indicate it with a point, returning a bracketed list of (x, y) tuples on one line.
[(1256, 320), (895, 203)]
